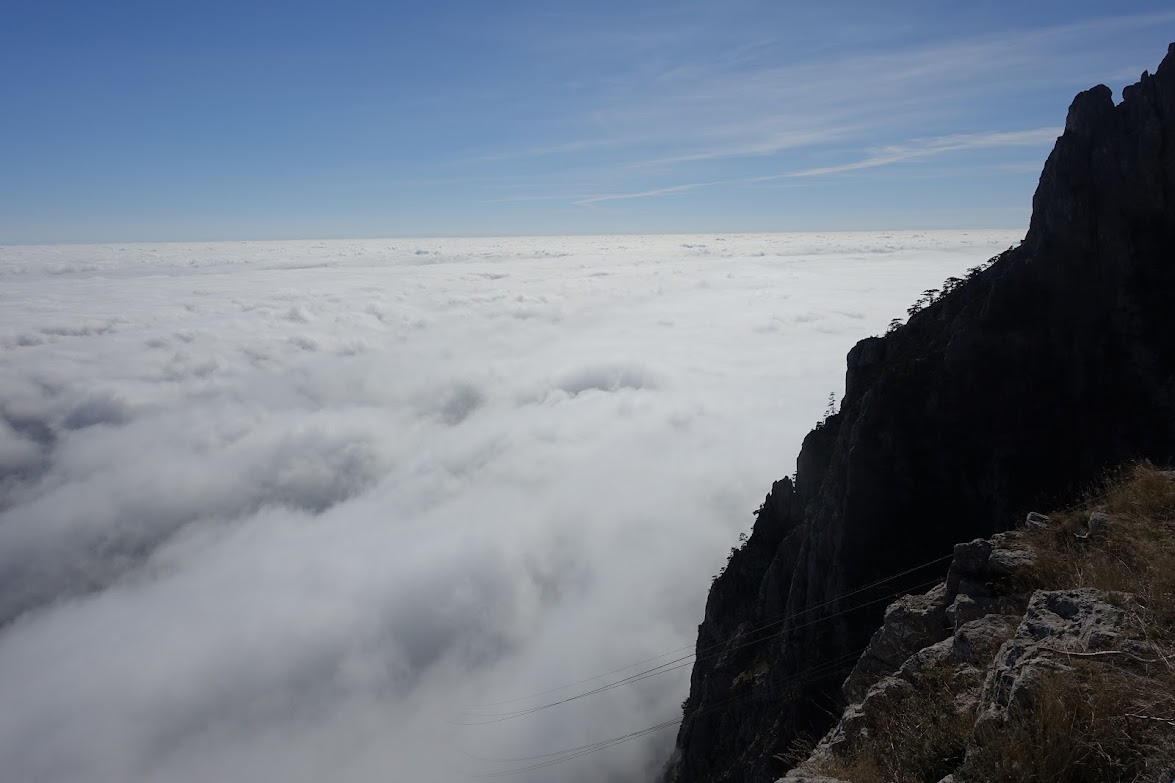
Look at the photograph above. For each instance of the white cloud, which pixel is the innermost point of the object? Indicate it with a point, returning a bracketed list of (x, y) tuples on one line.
[(925, 148), (278, 510), (766, 143), (17, 452), (680, 116), (895, 153), (641, 194)]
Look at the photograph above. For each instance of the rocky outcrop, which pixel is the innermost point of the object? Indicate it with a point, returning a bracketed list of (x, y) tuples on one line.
[(930, 636), (1056, 623), (1009, 392), (973, 678)]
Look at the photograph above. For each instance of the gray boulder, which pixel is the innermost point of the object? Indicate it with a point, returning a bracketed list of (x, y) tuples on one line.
[(911, 623), (1056, 622)]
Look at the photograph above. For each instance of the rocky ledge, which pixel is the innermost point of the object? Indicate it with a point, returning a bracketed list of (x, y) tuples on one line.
[(1047, 653)]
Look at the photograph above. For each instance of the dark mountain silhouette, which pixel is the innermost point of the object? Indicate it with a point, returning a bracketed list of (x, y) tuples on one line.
[(1009, 391)]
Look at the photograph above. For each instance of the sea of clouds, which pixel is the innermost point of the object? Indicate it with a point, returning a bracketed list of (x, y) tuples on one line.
[(282, 511)]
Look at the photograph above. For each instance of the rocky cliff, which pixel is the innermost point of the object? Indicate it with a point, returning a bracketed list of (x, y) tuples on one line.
[(1045, 655), (1009, 391)]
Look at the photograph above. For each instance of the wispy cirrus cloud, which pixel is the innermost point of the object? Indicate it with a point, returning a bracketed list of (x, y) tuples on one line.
[(550, 150), (915, 149), (757, 147), (925, 148), (589, 200), (701, 107)]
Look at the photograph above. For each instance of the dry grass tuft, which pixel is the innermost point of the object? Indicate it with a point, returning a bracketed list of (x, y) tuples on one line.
[(922, 737), (1135, 556), (1107, 718), (1112, 718), (1096, 724)]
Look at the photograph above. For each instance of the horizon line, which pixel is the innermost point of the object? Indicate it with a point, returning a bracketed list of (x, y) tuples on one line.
[(417, 237)]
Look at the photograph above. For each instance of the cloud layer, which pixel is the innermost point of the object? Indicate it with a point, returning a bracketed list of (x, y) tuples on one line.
[(280, 510)]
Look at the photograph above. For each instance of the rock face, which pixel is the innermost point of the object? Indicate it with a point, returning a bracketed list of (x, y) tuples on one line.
[(981, 669), (1055, 621), (935, 638), (1009, 392)]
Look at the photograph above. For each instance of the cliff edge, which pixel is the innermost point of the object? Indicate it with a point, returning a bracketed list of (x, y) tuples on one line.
[(1011, 390), (1045, 655)]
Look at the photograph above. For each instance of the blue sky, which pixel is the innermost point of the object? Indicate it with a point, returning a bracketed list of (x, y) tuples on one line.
[(182, 120)]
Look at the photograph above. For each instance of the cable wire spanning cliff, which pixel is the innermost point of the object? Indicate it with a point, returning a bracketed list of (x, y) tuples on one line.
[(1011, 391)]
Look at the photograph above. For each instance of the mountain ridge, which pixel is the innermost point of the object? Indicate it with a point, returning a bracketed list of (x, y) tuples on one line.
[(1009, 391)]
